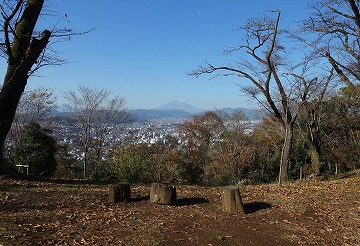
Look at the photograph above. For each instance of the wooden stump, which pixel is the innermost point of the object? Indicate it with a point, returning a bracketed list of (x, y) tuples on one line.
[(120, 192), (163, 193), (231, 199)]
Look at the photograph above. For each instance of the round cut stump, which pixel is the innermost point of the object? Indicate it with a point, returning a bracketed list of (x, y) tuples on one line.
[(163, 193), (119, 192), (231, 199)]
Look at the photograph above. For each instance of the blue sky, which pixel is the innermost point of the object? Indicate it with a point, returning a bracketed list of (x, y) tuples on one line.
[(142, 49)]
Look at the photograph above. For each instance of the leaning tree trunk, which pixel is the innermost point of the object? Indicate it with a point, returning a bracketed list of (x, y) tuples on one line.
[(285, 152), (314, 138), (315, 158), (22, 55)]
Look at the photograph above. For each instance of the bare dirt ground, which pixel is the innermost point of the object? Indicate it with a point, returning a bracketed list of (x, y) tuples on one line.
[(76, 213)]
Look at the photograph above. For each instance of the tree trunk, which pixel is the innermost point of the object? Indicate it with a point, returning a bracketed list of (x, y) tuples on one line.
[(231, 199), (315, 160), (314, 138), (85, 163), (285, 152), (336, 168), (87, 143), (120, 193), (9, 99), (163, 193), (22, 55)]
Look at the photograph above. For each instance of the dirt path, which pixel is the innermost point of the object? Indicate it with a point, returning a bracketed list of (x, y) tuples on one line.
[(309, 213)]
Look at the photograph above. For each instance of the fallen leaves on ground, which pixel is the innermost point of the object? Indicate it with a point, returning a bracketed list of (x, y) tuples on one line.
[(60, 213)]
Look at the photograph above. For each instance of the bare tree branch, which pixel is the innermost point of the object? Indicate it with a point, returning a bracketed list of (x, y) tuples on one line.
[(6, 26)]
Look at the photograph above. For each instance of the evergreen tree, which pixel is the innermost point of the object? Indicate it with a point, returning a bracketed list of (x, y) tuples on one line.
[(35, 148)]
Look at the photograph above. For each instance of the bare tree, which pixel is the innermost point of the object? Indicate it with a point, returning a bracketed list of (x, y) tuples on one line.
[(34, 105), (24, 49), (19, 21), (96, 114), (271, 77), (108, 115), (311, 90), (332, 31)]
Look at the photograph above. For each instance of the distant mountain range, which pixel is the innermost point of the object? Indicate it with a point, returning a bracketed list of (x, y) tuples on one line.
[(181, 109), (148, 114), (177, 109)]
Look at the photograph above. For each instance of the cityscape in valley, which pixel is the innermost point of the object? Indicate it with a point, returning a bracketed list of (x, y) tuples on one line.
[(146, 126)]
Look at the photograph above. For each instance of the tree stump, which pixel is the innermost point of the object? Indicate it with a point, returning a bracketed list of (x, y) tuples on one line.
[(231, 199), (163, 193), (120, 192)]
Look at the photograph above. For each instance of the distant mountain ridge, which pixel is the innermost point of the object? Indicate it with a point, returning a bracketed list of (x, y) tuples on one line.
[(181, 109), (176, 109), (180, 105), (149, 114)]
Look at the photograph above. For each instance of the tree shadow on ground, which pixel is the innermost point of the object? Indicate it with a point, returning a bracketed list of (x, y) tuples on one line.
[(253, 207), (190, 201)]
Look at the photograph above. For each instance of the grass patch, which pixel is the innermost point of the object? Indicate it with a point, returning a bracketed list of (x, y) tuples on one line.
[(218, 238)]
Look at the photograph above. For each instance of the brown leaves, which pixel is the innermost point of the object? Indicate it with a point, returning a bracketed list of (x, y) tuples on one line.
[(311, 212)]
